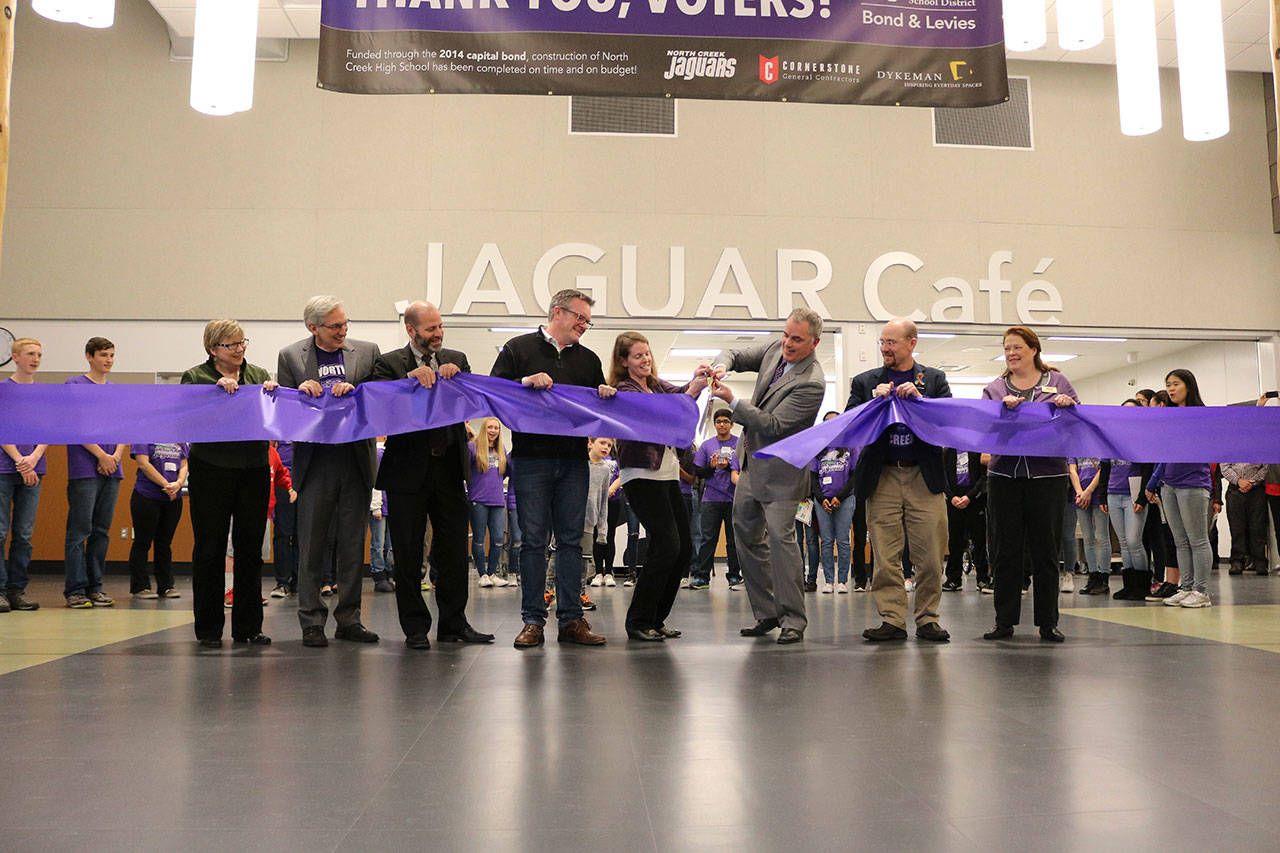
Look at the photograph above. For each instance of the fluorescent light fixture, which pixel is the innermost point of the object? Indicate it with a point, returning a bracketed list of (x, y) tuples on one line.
[(970, 380), (942, 336), (1095, 340), (830, 377), (1137, 67), (726, 332), (692, 352), (223, 56), (98, 14), (1079, 24), (513, 330), (678, 378), (1057, 359), (1024, 25), (1202, 69)]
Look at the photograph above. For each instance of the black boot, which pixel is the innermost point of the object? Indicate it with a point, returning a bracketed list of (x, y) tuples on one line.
[(1126, 591), (1097, 585)]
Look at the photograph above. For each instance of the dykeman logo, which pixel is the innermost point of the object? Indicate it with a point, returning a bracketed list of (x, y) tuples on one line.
[(769, 69)]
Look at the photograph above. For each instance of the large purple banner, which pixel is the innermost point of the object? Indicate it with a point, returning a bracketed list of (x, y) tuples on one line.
[(946, 53)]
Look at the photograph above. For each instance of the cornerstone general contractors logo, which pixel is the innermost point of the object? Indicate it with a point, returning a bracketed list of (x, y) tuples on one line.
[(769, 69), (775, 68), (688, 64)]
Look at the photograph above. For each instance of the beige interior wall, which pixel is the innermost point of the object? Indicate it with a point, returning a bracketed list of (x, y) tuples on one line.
[(123, 202)]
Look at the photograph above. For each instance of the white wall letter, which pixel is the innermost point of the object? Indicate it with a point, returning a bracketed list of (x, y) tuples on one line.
[(595, 284), (1051, 302), (675, 288), (435, 272), (715, 297), (807, 288), (964, 301), (993, 285), (871, 283), (490, 257)]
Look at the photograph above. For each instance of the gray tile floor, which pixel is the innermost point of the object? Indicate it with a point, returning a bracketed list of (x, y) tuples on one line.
[(1123, 738)]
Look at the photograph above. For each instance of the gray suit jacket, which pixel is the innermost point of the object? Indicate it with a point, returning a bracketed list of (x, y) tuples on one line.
[(297, 364), (774, 413)]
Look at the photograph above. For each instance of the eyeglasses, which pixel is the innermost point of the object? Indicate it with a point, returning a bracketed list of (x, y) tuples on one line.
[(582, 318), (885, 343), (336, 327), (241, 344)]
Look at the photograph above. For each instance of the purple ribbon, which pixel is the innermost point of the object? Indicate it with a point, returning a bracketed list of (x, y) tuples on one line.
[(1196, 434), (120, 414)]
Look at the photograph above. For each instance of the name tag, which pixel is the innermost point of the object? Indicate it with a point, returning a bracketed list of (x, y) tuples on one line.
[(1049, 389), (826, 481), (171, 466)]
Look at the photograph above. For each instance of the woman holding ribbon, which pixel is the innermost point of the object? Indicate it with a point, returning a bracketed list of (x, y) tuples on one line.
[(228, 481), (1027, 494), (651, 481)]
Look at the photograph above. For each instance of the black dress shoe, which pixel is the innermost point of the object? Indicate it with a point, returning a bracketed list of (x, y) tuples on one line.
[(313, 637), (951, 586), (933, 632), (355, 633), (648, 635), (789, 636), (810, 586), (669, 633), (258, 639), (884, 632), (466, 635), (1051, 633), (418, 641), (999, 632), (759, 629), (210, 642)]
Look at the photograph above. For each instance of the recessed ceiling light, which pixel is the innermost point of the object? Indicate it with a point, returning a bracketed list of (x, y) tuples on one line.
[(692, 352), (1098, 340), (724, 332), (971, 349), (970, 380), (942, 336), (1046, 357), (513, 330)]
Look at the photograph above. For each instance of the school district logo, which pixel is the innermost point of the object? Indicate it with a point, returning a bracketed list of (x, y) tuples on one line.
[(769, 69)]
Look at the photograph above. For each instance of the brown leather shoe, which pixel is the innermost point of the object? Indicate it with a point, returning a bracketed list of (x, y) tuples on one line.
[(579, 631), (529, 636)]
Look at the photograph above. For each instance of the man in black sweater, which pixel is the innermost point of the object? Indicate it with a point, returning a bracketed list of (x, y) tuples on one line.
[(549, 472)]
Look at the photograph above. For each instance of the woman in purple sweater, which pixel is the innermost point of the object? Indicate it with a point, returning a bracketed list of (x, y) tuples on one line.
[(1026, 495), (651, 481), (1183, 489)]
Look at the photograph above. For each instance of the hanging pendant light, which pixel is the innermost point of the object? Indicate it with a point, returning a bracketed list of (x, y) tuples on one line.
[(1202, 69), (1137, 66), (98, 14), (223, 56), (1024, 25), (1079, 24)]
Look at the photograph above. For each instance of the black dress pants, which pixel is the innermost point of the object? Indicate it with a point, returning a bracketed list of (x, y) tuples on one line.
[(965, 526), (1027, 517), (218, 496), (658, 505), (442, 499), (154, 522), (1247, 519)]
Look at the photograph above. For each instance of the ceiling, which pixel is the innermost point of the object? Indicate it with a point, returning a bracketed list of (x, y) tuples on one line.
[(1245, 30)]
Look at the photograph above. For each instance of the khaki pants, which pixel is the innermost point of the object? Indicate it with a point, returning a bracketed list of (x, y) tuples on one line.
[(902, 500)]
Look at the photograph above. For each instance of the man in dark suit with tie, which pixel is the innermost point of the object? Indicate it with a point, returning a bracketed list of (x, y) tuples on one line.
[(333, 481), (424, 474), (788, 392)]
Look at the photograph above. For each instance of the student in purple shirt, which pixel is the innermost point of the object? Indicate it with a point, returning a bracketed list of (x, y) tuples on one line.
[(156, 507), (833, 506), (1087, 486), (488, 505), (1027, 494), (22, 467), (717, 463), (94, 473), (1183, 491)]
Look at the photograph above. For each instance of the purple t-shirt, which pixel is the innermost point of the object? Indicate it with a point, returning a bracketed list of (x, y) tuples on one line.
[(902, 441), (1048, 386), (285, 449), (719, 486), (962, 469), (485, 487), (1181, 475), (834, 466), (165, 458), (331, 368), (6, 464), (1118, 482), (1086, 470), (81, 464), (614, 473)]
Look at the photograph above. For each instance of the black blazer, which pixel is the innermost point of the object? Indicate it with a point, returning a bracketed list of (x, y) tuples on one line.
[(976, 492), (931, 382), (406, 456)]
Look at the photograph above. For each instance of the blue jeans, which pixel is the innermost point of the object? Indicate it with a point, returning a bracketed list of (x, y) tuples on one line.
[(1129, 526), (552, 496), (494, 520), (711, 516), (22, 500), (808, 534), (1097, 538), (1187, 511), (381, 560), (833, 530), (91, 503)]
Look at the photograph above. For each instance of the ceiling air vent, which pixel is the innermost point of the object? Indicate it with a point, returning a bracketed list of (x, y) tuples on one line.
[(1006, 125)]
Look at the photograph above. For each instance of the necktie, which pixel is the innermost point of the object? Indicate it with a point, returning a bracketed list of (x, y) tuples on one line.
[(438, 438), (777, 374)]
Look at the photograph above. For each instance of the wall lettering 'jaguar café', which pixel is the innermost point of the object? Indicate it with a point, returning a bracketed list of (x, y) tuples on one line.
[(894, 283)]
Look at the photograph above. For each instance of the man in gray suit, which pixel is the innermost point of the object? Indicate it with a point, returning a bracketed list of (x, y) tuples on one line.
[(333, 481), (787, 395)]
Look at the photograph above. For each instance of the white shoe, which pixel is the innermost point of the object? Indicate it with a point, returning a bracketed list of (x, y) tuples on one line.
[(598, 580), (609, 581), (825, 588), (1196, 599), (1066, 583), (842, 588), (499, 580), (1177, 598), (684, 583), (486, 580), (909, 584), (629, 582)]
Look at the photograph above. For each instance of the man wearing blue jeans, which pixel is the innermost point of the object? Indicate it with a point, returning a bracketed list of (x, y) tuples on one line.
[(550, 471), (21, 468), (94, 473), (716, 462)]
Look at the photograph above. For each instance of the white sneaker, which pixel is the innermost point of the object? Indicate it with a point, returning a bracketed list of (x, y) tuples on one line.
[(629, 582), (598, 580), (499, 580), (1177, 598), (684, 583), (910, 584), (146, 594), (609, 581), (486, 580), (1066, 582), (1196, 599), (825, 588), (842, 588)]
